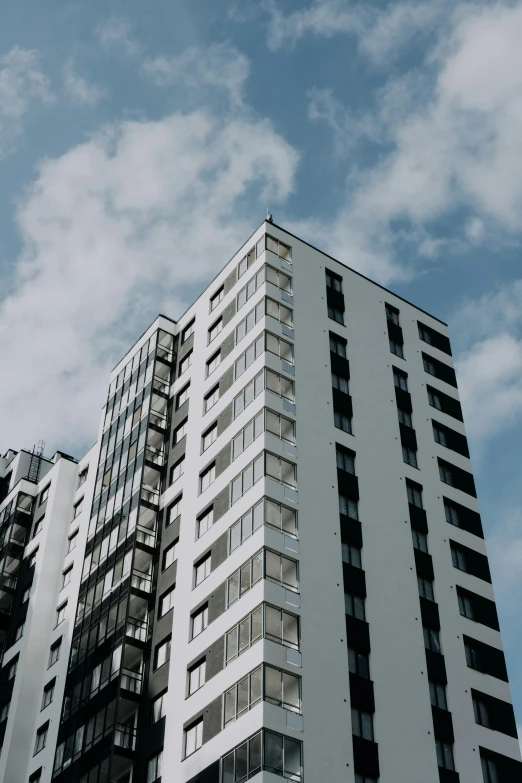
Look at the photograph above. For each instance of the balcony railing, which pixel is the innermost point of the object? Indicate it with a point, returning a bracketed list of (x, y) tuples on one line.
[(145, 535), (137, 629), (131, 681), (141, 581), (125, 736), (159, 385), (150, 495), (159, 420), (157, 456), (164, 353)]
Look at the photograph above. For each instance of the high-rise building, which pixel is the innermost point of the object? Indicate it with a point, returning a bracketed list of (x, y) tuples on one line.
[(270, 565)]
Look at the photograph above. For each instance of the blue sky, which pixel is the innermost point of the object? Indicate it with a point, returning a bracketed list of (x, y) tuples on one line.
[(141, 143)]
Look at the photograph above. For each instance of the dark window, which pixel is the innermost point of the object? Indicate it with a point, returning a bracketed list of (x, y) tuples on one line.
[(489, 770), (182, 396), (158, 709), (392, 314), (439, 435), (170, 554), (211, 398), (445, 755), (414, 494), (173, 511), (434, 400), (345, 460), (473, 656), (424, 334), (180, 432), (215, 329), (202, 569), (354, 606), (404, 417), (351, 554), (55, 651), (446, 473), (342, 421), (177, 470), (431, 639), (409, 456), (162, 652), (452, 514), (425, 588), (44, 495), (199, 620), (466, 606), (187, 331), (336, 315), (359, 663), (334, 281), (41, 738), (458, 558), (420, 541), (396, 349), (429, 367), (400, 379), (362, 724), (481, 712), (216, 298), (337, 345), (48, 693), (438, 695), (341, 382), (349, 507), (196, 676)]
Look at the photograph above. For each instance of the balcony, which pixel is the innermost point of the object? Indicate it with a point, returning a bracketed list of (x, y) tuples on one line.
[(141, 581), (146, 536), (125, 736), (137, 629), (131, 681)]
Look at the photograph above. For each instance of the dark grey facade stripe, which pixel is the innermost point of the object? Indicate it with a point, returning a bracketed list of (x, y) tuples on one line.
[(230, 281), (226, 381), (229, 312), (219, 552), (221, 503), (223, 459), (217, 602), (215, 659), (227, 346), (224, 419)]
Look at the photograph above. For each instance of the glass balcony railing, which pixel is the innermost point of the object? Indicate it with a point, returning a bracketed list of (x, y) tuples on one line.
[(157, 456), (145, 535), (131, 681), (141, 581), (137, 629), (125, 736)]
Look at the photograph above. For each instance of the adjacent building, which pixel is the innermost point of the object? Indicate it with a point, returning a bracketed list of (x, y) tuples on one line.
[(270, 565)]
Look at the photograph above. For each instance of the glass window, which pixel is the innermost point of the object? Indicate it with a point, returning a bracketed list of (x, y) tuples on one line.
[(425, 588), (158, 710), (251, 287), (44, 495), (349, 507), (409, 456), (67, 576), (342, 421), (4, 711), (202, 569), (446, 473), (162, 654), (341, 383), (481, 712), (489, 770), (359, 663), (185, 363), (209, 436), (351, 554), (182, 396), (439, 434), (279, 279), (396, 348), (452, 514), (180, 432), (336, 315), (247, 478), (473, 656), (458, 558), (187, 331), (154, 767), (248, 434), (19, 632), (41, 739), (170, 554), (194, 737), (445, 755), (215, 329), (205, 521), (334, 281), (73, 540), (431, 639), (404, 417), (177, 469), (362, 724), (166, 602), (420, 541), (466, 606), (434, 400), (174, 510), (196, 676), (345, 460), (249, 393), (199, 621), (211, 398), (354, 606), (414, 494), (438, 695), (400, 379), (207, 477), (392, 314), (60, 613), (213, 363), (338, 345), (429, 367), (216, 298), (55, 651)]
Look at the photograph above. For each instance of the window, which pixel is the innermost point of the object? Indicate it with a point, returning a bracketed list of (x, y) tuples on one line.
[(281, 569), (268, 511), (279, 279), (213, 363), (67, 576), (458, 558), (216, 298), (209, 437), (205, 521), (162, 652), (431, 639), (41, 738), (438, 695), (341, 383), (36, 777), (278, 311), (38, 526), (280, 385), (429, 367), (425, 588), (249, 356), (364, 779), (359, 663), (336, 315), (154, 767), (77, 508), (400, 379), (281, 470), (349, 507), (251, 287), (392, 314), (185, 363), (158, 711), (174, 510), (362, 724), (196, 676), (409, 456), (48, 694), (473, 656), (351, 554), (249, 393), (265, 750), (44, 495), (54, 654), (166, 602), (338, 345), (466, 606), (244, 695), (202, 570), (334, 281), (268, 621), (244, 578), (481, 712), (420, 541), (211, 398), (342, 421), (60, 613), (277, 247), (215, 329), (180, 432), (207, 477), (247, 478), (4, 711), (187, 331), (396, 348), (280, 426), (354, 606), (446, 473), (31, 562), (414, 494), (345, 459), (280, 688), (11, 669), (404, 417), (489, 770), (248, 434), (27, 594), (279, 347), (72, 541), (182, 396), (194, 737), (177, 469), (424, 334), (445, 755), (199, 621), (247, 261), (434, 400), (19, 631), (439, 435), (170, 554), (452, 514), (82, 476)]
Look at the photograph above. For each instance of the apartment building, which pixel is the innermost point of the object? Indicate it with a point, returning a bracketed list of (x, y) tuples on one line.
[(270, 565)]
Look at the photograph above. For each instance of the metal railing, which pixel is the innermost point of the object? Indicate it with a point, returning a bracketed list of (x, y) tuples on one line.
[(125, 736), (137, 629), (131, 681), (157, 456), (141, 581)]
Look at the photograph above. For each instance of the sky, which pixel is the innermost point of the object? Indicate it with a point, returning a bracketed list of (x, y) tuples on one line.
[(142, 143)]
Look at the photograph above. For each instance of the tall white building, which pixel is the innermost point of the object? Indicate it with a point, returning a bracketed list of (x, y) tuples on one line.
[(270, 565)]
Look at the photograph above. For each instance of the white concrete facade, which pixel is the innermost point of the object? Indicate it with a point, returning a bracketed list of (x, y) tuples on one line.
[(403, 722)]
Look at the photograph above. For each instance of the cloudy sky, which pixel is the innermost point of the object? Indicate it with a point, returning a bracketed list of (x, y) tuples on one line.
[(141, 143)]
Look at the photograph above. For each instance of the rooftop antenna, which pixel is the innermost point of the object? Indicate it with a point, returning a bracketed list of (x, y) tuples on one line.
[(36, 460), (269, 217)]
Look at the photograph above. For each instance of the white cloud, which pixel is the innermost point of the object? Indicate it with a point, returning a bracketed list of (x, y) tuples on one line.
[(112, 231), (116, 33), (22, 81), (381, 33), (78, 89), (219, 66), (347, 127)]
